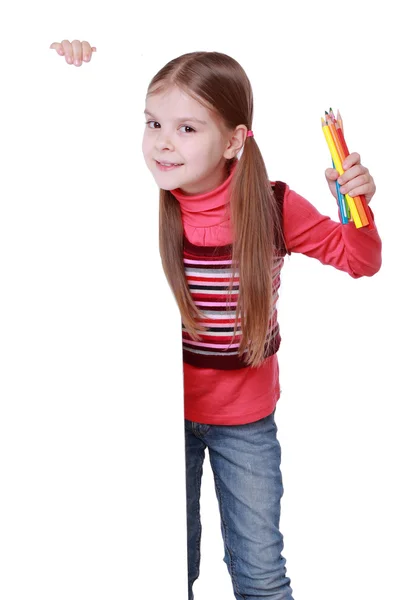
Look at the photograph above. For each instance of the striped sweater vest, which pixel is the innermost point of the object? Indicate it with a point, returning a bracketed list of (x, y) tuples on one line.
[(208, 272)]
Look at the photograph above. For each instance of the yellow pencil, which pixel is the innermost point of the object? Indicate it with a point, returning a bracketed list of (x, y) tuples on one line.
[(339, 168)]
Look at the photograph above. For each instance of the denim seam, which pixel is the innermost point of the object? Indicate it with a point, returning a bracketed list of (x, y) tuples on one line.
[(225, 529), (198, 541)]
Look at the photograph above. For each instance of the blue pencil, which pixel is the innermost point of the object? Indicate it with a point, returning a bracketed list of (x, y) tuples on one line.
[(341, 201)]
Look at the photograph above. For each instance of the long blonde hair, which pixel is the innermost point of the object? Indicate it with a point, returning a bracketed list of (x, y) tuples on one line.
[(220, 83)]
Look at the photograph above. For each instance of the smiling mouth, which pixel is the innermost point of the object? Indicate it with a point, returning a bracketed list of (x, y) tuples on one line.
[(168, 164)]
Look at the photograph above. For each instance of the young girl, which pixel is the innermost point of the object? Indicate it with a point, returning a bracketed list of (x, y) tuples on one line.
[(224, 232)]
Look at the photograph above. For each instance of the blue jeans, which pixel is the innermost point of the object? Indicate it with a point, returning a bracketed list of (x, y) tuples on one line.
[(245, 460)]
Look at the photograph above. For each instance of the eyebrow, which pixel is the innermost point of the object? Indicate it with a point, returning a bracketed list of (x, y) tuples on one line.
[(182, 119)]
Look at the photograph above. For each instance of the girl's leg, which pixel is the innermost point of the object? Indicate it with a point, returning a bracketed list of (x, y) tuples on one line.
[(195, 451), (245, 460)]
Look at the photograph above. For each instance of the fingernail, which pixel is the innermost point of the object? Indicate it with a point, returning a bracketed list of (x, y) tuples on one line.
[(77, 62), (69, 60), (86, 57), (340, 180)]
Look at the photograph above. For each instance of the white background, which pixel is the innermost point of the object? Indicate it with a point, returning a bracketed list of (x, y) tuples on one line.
[(91, 404)]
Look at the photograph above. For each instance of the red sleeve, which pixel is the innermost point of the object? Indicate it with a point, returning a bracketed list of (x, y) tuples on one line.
[(355, 251)]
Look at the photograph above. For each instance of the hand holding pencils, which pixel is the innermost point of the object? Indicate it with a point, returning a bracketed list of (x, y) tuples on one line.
[(356, 184)]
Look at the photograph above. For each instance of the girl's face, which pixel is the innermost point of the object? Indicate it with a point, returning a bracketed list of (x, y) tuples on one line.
[(181, 131)]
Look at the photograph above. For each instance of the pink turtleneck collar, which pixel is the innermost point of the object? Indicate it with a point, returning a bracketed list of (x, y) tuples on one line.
[(205, 217)]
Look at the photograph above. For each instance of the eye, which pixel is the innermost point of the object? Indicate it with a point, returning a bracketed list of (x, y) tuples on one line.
[(187, 127), (150, 126)]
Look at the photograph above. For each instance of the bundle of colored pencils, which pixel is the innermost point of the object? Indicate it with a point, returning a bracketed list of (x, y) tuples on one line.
[(351, 208)]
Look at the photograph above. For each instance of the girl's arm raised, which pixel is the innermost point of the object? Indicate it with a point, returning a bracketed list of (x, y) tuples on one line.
[(358, 252)]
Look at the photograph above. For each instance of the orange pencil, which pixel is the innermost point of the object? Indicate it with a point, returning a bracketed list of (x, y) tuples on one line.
[(365, 215)]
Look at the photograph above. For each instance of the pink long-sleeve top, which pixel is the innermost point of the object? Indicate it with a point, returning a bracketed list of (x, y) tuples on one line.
[(234, 397)]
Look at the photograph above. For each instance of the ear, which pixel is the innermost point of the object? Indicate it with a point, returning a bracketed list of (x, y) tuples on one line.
[(235, 142)]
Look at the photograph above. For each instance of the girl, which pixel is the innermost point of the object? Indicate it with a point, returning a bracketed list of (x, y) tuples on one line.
[(224, 232)]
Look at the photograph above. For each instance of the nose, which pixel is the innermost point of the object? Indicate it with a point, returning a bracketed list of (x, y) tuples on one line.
[(163, 141)]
